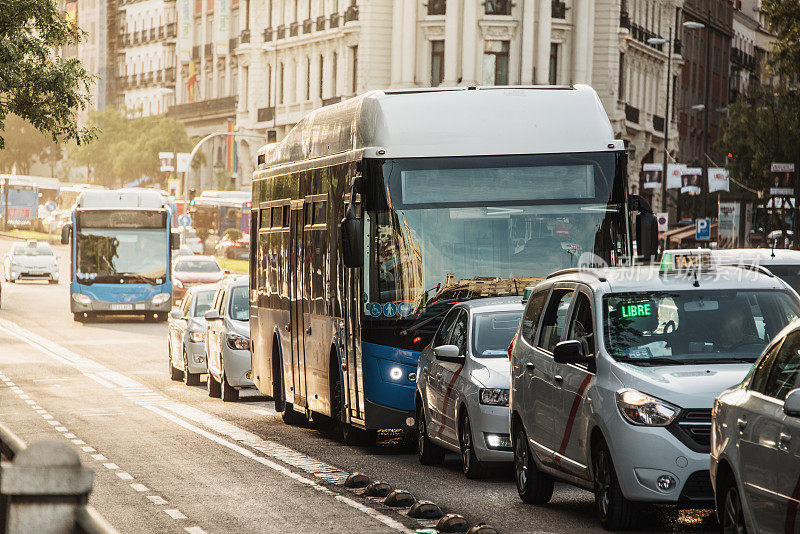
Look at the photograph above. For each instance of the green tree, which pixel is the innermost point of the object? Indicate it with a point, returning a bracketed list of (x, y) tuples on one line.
[(25, 147), (126, 149), (35, 84), (783, 17)]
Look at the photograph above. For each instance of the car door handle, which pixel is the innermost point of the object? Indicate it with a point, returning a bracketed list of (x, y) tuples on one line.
[(288, 327), (741, 422), (558, 378), (529, 366), (308, 331), (785, 438)]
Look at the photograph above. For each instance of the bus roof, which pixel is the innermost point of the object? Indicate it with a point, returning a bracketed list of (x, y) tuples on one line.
[(42, 182), (452, 122), (121, 198)]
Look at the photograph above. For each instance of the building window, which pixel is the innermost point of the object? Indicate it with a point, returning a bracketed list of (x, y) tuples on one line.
[(334, 75), (221, 84), (281, 89), (495, 62), (209, 85), (437, 62), (552, 78), (209, 29), (621, 78), (321, 74), (245, 88), (436, 7), (354, 52), (497, 7)]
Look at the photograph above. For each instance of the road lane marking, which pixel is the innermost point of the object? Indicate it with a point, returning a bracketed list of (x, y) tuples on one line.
[(61, 428), (175, 513), (124, 476), (54, 422), (139, 487), (99, 457), (195, 530), (111, 466), (45, 415), (156, 499), (88, 449)]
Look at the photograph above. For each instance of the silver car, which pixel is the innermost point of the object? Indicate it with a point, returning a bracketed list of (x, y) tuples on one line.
[(755, 443), (462, 385), (31, 260), (187, 335), (228, 340)]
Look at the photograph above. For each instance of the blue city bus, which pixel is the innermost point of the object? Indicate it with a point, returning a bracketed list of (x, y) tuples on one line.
[(23, 203), (121, 247), (375, 215), (220, 211)]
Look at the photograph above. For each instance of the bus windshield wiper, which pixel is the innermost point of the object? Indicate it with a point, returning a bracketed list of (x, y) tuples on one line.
[(414, 327), (138, 278)]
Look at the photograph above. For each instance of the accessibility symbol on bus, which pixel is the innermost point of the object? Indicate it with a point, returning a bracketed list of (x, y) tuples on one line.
[(405, 309), (375, 309), (50, 206), (390, 309)]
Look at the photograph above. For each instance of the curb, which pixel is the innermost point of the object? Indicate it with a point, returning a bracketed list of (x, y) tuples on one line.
[(7, 235)]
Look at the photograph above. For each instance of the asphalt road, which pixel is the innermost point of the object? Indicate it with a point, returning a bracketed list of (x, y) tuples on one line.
[(167, 458)]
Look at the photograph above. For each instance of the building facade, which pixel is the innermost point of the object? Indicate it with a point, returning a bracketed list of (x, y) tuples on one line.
[(749, 47)]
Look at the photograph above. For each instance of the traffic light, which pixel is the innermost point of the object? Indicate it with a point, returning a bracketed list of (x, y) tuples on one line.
[(729, 158)]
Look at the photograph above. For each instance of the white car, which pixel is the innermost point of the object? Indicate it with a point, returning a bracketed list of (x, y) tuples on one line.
[(614, 373), (31, 260), (462, 385), (755, 443)]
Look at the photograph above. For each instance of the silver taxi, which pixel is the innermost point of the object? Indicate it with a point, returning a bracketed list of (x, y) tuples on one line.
[(187, 334), (614, 372), (31, 260), (462, 385)]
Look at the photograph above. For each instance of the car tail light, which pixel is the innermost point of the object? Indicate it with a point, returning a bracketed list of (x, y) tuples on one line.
[(510, 348)]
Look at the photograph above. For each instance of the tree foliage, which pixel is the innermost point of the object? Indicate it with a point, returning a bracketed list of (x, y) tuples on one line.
[(126, 149), (26, 146), (783, 17), (35, 84)]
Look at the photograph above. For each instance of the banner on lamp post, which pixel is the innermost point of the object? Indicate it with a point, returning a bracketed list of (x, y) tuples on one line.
[(222, 31), (718, 180), (690, 180), (652, 174), (166, 161), (782, 180), (674, 173), (185, 30)]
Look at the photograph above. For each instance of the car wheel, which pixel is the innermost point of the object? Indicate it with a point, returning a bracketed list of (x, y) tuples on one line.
[(613, 509), (732, 515), (174, 374), (214, 389), (229, 393), (472, 467), (190, 379), (428, 452), (533, 486)]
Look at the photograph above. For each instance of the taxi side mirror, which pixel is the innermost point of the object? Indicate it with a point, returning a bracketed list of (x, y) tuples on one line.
[(448, 353), (791, 406), (570, 351), (176, 314), (66, 230), (212, 315)]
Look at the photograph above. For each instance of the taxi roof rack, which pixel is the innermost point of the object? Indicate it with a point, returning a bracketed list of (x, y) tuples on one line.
[(573, 270)]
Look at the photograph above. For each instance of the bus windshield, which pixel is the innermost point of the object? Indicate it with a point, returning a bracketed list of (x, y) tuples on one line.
[(445, 229), (131, 255)]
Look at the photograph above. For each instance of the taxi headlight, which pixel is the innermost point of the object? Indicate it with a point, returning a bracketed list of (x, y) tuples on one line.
[(160, 299), (641, 409), (494, 396), (197, 337), (83, 300), (237, 342)]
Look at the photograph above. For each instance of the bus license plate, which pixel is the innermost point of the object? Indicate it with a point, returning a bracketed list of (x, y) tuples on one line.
[(121, 307)]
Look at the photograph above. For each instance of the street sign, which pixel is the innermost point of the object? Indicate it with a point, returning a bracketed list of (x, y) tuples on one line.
[(663, 222), (50, 206), (703, 229), (185, 220), (183, 161)]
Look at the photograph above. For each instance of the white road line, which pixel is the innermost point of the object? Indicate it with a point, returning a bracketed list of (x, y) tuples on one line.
[(88, 449), (175, 513), (69, 435), (61, 428), (99, 457), (261, 411), (156, 499), (79, 442), (45, 415), (139, 487), (54, 422), (124, 476), (195, 530), (111, 465)]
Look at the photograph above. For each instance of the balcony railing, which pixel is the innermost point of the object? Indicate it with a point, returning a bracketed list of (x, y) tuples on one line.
[(148, 77), (159, 76), (436, 7), (321, 23), (559, 9), (497, 7), (643, 35), (267, 35), (631, 114), (208, 50), (334, 23), (331, 100), (742, 59), (281, 31), (233, 43), (161, 32), (172, 30), (244, 37), (265, 114), (204, 108), (658, 123), (294, 29), (196, 52), (351, 13), (169, 74), (308, 26), (152, 34), (135, 39)]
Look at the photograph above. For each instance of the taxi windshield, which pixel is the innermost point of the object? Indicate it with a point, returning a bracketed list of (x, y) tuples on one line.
[(685, 327)]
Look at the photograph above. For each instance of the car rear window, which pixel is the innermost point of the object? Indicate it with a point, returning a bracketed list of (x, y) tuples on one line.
[(38, 249), (197, 266), (492, 332), (203, 302)]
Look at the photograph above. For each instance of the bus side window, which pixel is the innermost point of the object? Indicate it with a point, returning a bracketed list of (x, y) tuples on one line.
[(319, 214), (265, 218), (277, 217)]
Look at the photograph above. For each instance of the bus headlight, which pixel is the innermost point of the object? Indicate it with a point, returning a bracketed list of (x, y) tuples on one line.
[(494, 396), (237, 342), (641, 409), (160, 299), (81, 299)]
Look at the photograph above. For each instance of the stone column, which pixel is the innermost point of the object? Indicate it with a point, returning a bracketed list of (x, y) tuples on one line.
[(409, 46), (452, 43), (527, 29), (469, 52), (580, 42), (397, 42), (543, 30)]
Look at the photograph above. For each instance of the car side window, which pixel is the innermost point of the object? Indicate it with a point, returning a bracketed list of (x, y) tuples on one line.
[(223, 297), (459, 336), (785, 372), (187, 303), (554, 318), (581, 326), (761, 372), (445, 328), (532, 314)]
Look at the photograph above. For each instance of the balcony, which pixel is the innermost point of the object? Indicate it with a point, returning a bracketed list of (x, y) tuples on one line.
[(135, 39), (742, 59), (559, 9), (658, 123), (169, 75), (161, 32), (331, 100), (196, 52), (294, 29), (643, 34), (631, 114), (172, 30), (208, 50), (233, 43), (281, 31), (265, 114), (159, 76), (217, 107), (497, 7), (244, 37), (148, 78), (267, 35), (152, 34), (624, 18), (334, 23), (351, 13), (308, 26), (436, 7), (321, 23)]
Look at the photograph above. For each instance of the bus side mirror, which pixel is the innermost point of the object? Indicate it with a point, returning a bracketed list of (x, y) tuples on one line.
[(65, 232), (647, 234), (352, 232), (174, 240)]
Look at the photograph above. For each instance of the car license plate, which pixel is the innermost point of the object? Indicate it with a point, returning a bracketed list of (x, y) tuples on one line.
[(121, 307)]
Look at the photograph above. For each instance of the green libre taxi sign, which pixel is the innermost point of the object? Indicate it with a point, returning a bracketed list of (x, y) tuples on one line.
[(638, 309)]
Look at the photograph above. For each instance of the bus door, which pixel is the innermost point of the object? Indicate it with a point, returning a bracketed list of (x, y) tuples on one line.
[(296, 284), (354, 375)]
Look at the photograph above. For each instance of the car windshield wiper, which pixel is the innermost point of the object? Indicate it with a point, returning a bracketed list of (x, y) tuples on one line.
[(652, 361), (725, 359)]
